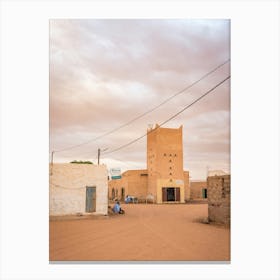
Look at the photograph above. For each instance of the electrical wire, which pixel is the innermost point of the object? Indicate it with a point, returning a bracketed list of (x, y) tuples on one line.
[(147, 112), (169, 119)]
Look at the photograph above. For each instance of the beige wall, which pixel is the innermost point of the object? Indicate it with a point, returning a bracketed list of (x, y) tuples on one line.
[(196, 189), (165, 160), (187, 185), (163, 183), (134, 183), (164, 168), (68, 184), (219, 199)]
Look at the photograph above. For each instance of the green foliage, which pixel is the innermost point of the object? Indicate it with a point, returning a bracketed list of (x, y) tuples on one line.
[(81, 162)]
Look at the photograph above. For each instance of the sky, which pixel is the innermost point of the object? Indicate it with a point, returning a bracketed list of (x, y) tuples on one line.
[(105, 73)]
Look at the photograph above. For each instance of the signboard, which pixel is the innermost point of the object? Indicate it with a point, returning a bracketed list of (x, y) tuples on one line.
[(179, 182), (115, 173)]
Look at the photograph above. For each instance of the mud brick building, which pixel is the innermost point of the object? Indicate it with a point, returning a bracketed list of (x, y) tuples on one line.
[(218, 190), (164, 179), (165, 164), (198, 190), (132, 182)]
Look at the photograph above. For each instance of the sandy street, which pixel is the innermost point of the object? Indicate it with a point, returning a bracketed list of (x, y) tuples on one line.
[(145, 233)]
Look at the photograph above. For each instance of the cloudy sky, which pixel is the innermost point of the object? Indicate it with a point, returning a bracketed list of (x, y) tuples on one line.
[(104, 73)]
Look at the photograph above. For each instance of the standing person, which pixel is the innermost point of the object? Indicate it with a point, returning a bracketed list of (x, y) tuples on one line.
[(127, 199), (117, 208)]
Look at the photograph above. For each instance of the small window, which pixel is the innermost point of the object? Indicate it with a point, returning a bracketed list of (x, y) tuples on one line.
[(165, 155), (175, 155), (170, 173), (170, 155), (170, 167), (170, 160)]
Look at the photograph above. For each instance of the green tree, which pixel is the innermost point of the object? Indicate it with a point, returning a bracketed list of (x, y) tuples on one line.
[(81, 162)]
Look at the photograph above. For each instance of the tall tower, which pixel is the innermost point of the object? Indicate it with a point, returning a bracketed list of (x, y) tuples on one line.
[(165, 164)]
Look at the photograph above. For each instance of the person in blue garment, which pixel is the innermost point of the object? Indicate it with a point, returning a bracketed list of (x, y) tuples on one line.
[(128, 199), (117, 208)]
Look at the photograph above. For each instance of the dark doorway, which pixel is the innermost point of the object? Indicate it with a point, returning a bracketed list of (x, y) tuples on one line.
[(90, 199), (204, 193), (170, 194), (123, 194)]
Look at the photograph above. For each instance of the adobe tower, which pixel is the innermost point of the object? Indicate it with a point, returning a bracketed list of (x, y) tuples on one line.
[(165, 164)]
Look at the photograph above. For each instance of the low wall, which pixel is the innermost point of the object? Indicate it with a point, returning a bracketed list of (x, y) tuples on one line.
[(219, 199)]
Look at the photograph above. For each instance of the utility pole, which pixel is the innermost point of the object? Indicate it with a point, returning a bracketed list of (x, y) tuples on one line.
[(98, 154), (52, 162)]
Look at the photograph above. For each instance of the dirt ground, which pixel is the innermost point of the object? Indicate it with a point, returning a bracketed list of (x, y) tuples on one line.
[(144, 233)]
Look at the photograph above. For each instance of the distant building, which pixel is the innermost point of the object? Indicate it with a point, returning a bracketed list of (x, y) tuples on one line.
[(164, 180), (218, 187), (198, 190), (78, 189), (132, 182)]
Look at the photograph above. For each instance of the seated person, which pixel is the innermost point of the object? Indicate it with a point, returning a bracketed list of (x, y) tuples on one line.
[(117, 208)]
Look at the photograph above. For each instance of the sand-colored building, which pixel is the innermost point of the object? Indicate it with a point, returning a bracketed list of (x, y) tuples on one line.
[(219, 198), (132, 182), (165, 164), (164, 179), (198, 190), (78, 189)]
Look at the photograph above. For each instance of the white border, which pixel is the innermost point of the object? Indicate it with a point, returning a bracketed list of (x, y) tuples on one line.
[(254, 128)]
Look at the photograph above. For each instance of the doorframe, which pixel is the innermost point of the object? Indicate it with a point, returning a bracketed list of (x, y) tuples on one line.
[(93, 199)]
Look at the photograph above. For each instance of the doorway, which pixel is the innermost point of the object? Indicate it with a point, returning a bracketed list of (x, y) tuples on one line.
[(122, 194), (204, 193), (90, 199), (170, 194)]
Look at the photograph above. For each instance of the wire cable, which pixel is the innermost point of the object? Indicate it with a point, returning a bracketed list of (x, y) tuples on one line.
[(169, 119), (147, 112)]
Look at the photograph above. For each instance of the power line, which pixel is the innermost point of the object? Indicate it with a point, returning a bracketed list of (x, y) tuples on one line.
[(147, 112), (126, 163), (171, 118)]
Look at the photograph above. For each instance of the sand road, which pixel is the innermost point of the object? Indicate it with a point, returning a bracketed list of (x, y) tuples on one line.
[(145, 233)]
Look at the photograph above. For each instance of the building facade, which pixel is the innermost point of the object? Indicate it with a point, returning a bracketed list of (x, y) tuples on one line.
[(132, 182), (164, 179), (165, 164), (78, 189), (198, 190)]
